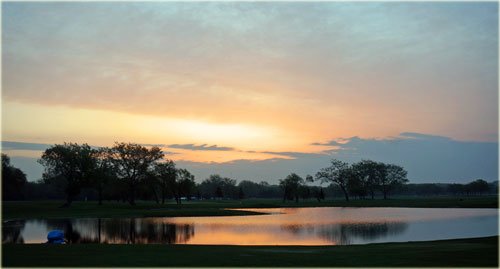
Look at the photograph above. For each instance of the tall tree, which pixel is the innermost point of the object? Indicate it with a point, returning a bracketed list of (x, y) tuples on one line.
[(241, 194), (103, 172), (185, 183), (291, 187), (132, 162), (13, 180), (166, 175), (356, 183), (336, 173), (370, 174), (218, 192), (393, 176), (72, 163)]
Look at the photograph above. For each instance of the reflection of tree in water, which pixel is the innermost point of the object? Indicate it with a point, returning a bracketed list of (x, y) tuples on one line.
[(297, 228), (122, 231), (343, 234), (11, 232), (145, 231)]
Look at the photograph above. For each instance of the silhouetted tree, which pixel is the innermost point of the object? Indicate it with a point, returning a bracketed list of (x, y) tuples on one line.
[(478, 186), (218, 192), (72, 163), (103, 172), (227, 187), (393, 176), (321, 195), (356, 183), (260, 190), (369, 175), (185, 183), (166, 175), (13, 180), (241, 194), (456, 189), (132, 162), (336, 173), (291, 187)]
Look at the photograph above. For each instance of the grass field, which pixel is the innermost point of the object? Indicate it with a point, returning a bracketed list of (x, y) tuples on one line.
[(50, 209), (478, 252)]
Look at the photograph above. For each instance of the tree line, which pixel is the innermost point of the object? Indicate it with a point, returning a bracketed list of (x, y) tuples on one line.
[(360, 179), (127, 172), (125, 166)]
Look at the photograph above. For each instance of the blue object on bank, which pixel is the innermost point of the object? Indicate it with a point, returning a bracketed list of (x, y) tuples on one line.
[(55, 237)]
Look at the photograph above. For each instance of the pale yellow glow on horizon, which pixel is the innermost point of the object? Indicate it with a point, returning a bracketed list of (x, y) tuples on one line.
[(220, 156), (58, 124), (220, 134)]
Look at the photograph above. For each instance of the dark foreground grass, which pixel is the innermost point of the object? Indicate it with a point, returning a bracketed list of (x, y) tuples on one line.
[(478, 252), (50, 209)]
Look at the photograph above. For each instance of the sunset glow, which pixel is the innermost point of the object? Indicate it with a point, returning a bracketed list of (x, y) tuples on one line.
[(220, 82)]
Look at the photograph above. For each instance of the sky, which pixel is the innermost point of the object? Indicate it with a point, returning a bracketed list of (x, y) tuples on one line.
[(257, 90)]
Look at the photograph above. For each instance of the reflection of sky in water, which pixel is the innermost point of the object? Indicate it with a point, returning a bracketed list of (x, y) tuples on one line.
[(285, 226)]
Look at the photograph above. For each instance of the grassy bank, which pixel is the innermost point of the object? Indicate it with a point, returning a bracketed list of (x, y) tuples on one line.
[(478, 252), (50, 209)]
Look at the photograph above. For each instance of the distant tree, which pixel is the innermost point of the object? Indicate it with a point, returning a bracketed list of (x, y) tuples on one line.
[(304, 191), (291, 187), (132, 162), (250, 188), (13, 180), (226, 185), (185, 184), (336, 173), (356, 183), (478, 186), (493, 187), (393, 176), (218, 192), (456, 189), (241, 194), (166, 175), (103, 172), (72, 163), (369, 175), (321, 195), (153, 183)]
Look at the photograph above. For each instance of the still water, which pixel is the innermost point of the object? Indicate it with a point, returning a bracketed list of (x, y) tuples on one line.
[(281, 226)]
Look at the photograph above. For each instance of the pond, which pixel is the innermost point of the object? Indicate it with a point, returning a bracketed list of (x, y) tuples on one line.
[(281, 226)]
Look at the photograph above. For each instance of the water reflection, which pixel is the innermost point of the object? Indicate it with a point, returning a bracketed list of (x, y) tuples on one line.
[(11, 233), (345, 234), (106, 231), (297, 226)]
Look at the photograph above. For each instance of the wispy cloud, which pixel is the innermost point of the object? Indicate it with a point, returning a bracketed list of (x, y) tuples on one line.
[(294, 154), (11, 145), (199, 147), (428, 158), (330, 143), (239, 62), (423, 136)]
